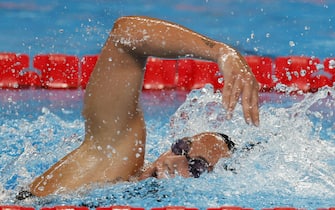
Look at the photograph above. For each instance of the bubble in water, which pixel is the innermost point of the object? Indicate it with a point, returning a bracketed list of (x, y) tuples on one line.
[(49, 176), (319, 67), (283, 151), (303, 72), (331, 64), (291, 43)]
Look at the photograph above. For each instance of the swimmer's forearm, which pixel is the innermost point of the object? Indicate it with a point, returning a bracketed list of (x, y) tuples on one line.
[(145, 36)]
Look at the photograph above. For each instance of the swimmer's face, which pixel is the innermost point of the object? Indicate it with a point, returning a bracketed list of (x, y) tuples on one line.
[(189, 157)]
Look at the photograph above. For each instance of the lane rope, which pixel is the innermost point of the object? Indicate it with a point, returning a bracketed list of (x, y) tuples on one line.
[(62, 71)]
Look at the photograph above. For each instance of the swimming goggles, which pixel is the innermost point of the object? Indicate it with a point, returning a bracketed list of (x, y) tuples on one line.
[(196, 166)]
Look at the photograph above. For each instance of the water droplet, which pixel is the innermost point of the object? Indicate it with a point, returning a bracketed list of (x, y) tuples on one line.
[(320, 67), (49, 176), (332, 64), (291, 43), (303, 72)]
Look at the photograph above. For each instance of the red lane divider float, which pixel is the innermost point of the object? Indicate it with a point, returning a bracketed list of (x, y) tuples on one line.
[(296, 71), (262, 69), (65, 208), (87, 65), (230, 208), (58, 71), (325, 77), (283, 208), (11, 65), (197, 73), (160, 74), (174, 208), (120, 208), (9, 207), (68, 71)]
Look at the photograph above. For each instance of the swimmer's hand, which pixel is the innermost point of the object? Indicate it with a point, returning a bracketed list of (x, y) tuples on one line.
[(239, 81)]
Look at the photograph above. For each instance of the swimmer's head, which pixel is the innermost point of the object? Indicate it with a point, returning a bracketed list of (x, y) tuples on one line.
[(191, 156), (203, 151)]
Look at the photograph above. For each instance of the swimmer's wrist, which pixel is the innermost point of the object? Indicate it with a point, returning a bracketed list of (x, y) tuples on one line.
[(225, 57), (225, 51)]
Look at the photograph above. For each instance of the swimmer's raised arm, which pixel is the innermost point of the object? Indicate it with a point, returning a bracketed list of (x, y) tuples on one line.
[(143, 36), (115, 133)]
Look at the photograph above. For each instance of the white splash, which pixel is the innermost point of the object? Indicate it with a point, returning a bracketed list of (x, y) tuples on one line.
[(291, 155)]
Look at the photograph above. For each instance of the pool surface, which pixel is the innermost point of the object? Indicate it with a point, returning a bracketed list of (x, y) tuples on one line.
[(274, 28), (292, 164)]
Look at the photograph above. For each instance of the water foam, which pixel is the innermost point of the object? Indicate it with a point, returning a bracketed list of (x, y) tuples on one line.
[(291, 153), (32, 146), (292, 163)]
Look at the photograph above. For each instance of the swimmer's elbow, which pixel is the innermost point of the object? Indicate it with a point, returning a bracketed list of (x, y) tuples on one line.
[(129, 26), (130, 20), (121, 21), (128, 33), (121, 33)]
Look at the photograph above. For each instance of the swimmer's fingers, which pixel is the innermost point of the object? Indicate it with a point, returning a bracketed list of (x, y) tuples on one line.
[(149, 172), (250, 101), (233, 70), (167, 165), (239, 80), (158, 170), (231, 93), (172, 166)]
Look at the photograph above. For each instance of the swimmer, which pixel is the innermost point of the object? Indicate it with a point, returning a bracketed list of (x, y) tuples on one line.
[(115, 134)]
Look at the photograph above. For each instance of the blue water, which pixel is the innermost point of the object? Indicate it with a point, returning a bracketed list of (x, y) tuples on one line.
[(294, 164), (303, 27)]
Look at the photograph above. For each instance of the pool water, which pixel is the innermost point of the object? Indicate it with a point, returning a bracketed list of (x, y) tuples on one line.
[(292, 164), (273, 28)]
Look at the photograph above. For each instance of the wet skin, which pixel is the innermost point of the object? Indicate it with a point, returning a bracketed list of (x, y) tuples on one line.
[(115, 132)]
